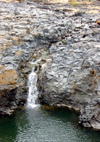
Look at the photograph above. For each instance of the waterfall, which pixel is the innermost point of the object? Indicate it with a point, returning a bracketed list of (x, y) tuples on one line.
[(33, 91)]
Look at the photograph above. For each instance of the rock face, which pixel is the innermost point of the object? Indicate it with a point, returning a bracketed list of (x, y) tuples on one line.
[(8, 85), (26, 32), (68, 45), (8, 77), (71, 77)]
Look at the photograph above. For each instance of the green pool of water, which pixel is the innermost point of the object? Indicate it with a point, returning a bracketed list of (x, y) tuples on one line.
[(42, 125)]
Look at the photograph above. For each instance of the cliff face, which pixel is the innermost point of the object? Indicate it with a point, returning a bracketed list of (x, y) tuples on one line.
[(26, 32), (72, 78), (68, 45)]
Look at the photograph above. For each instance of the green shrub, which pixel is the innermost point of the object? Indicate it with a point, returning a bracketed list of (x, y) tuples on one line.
[(74, 2)]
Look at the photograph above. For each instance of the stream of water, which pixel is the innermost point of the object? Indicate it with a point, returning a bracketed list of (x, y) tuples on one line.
[(33, 92), (32, 85)]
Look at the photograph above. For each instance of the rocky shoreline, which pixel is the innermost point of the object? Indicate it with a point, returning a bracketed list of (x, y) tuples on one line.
[(68, 43)]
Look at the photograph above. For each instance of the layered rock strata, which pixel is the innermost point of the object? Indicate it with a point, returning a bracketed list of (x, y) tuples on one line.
[(26, 32), (68, 45)]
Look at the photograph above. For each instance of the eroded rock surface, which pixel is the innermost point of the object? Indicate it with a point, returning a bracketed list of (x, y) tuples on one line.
[(72, 77), (26, 31), (68, 43), (8, 85)]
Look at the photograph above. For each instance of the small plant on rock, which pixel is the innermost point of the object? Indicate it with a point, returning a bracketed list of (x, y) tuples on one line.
[(74, 2)]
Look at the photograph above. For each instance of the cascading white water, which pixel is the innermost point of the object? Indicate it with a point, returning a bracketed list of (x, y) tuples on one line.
[(32, 92)]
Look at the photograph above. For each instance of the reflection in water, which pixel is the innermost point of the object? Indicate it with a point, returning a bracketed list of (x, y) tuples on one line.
[(8, 129), (40, 125)]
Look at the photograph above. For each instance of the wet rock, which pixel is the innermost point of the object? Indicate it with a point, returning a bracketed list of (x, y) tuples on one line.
[(90, 115)]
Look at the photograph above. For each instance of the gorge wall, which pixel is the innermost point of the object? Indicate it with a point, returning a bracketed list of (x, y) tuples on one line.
[(68, 43)]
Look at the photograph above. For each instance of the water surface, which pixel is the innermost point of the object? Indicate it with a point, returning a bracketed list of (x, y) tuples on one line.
[(40, 125)]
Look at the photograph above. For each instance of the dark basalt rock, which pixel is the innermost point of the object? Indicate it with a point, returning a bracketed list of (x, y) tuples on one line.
[(68, 45)]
